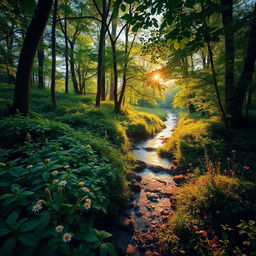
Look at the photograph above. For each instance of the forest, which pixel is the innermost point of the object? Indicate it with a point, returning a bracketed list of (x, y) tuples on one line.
[(127, 127)]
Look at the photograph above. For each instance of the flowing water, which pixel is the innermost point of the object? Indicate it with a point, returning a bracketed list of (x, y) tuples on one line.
[(151, 206)]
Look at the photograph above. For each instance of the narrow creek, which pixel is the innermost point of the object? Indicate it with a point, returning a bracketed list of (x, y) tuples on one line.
[(150, 205)]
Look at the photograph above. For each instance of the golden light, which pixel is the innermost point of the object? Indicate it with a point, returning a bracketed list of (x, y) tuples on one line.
[(156, 76)]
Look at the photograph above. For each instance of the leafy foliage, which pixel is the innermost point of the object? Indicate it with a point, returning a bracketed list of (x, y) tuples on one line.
[(65, 180)]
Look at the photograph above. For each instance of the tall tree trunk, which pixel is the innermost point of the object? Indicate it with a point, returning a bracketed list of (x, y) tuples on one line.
[(53, 76), (9, 60), (72, 66), (103, 81), (27, 55), (125, 70), (221, 109), (227, 20), (246, 76), (112, 85), (66, 53), (100, 53), (40, 56)]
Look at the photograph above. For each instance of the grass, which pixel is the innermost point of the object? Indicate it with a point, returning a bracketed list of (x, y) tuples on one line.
[(79, 112), (207, 208)]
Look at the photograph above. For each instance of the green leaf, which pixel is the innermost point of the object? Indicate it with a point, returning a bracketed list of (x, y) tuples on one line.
[(103, 249), (136, 27), (111, 249), (105, 234), (28, 239), (91, 238), (6, 196), (27, 193), (225, 236), (4, 231), (12, 218), (123, 7), (8, 246), (30, 225), (45, 175)]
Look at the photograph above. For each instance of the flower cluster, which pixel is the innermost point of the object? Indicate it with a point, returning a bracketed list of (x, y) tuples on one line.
[(87, 204), (66, 236)]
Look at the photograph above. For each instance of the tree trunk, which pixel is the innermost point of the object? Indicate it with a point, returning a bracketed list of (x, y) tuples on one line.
[(9, 60), (40, 56), (246, 76), (100, 55), (103, 81), (125, 70), (53, 76), (66, 54), (72, 67), (227, 20), (112, 85), (221, 109), (27, 55)]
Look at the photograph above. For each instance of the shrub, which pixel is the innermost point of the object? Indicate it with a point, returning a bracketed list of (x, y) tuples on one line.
[(202, 207), (192, 140), (62, 183)]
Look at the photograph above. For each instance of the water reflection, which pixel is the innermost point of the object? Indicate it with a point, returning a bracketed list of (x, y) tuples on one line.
[(145, 150)]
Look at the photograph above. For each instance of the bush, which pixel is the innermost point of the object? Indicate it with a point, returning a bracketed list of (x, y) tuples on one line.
[(14, 131), (56, 188), (202, 208), (193, 139)]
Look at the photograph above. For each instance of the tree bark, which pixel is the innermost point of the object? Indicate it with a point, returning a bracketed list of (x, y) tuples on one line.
[(221, 109), (100, 53), (103, 81), (72, 66), (66, 56), (246, 76), (40, 56), (113, 32), (9, 60), (27, 55), (227, 20), (53, 76)]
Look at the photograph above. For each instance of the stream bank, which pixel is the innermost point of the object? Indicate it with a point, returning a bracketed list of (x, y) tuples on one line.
[(151, 201)]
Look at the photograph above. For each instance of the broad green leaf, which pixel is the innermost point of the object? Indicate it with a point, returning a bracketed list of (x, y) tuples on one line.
[(12, 218), (6, 196), (103, 249), (28, 239), (30, 225), (8, 246), (91, 238), (105, 234), (111, 249), (4, 231)]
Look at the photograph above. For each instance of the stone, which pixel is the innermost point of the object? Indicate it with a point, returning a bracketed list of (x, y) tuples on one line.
[(133, 176), (135, 186), (157, 168), (151, 196), (178, 179), (140, 166), (149, 149), (127, 225), (131, 249), (170, 191)]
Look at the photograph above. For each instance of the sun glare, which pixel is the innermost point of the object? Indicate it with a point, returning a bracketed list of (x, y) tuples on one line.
[(156, 76)]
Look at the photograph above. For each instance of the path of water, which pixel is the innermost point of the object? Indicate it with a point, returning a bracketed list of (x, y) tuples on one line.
[(151, 206)]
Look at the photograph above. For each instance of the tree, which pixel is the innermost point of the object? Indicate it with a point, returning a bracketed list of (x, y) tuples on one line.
[(27, 55), (53, 76)]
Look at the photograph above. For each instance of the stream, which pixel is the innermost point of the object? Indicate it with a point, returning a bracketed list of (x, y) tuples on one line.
[(150, 205)]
